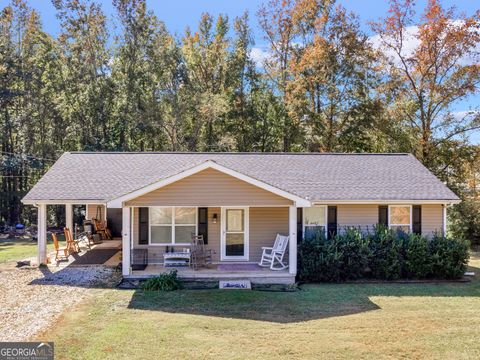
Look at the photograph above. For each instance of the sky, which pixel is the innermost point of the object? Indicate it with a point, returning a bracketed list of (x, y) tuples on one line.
[(178, 14)]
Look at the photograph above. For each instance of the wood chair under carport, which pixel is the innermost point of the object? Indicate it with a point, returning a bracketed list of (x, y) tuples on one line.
[(61, 252)]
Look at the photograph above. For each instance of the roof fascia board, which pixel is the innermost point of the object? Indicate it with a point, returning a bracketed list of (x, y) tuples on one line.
[(385, 202), (118, 202), (64, 202)]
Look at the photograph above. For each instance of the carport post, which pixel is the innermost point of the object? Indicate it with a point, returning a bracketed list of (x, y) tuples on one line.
[(42, 234), (69, 217), (126, 240)]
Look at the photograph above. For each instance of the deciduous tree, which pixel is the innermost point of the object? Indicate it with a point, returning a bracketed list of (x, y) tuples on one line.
[(433, 64)]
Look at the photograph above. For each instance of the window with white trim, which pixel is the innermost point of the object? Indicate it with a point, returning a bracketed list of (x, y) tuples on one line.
[(314, 220), (400, 217), (172, 225)]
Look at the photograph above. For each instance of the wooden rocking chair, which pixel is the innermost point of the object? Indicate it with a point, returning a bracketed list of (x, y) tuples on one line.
[(199, 255), (73, 246), (101, 228), (275, 254), (61, 252)]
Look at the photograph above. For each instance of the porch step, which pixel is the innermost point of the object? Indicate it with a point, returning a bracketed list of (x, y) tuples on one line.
[(235, 284)]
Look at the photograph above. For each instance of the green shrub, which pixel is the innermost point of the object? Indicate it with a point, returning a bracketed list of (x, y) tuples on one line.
[(353, 253), (312, 262), (386, 248), (449, 257), (418, 262), (344, 257), (384, 254), (163, 282)]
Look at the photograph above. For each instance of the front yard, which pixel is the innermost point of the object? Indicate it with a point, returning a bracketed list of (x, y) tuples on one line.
[(320, 321)]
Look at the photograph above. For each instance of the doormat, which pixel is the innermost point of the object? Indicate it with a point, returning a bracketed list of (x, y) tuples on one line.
[(235, 284), (95, 257), (238, 267)]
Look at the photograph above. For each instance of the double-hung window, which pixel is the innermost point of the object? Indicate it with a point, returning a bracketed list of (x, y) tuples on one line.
[(400, 217), (172, 225), (314, 221)]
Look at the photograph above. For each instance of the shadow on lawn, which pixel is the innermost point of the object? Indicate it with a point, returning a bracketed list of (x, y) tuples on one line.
[(314, 301)]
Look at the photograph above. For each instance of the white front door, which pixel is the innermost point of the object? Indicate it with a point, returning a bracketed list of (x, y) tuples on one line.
[(234, 233)]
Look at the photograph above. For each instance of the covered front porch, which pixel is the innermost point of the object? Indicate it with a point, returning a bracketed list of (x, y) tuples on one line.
[(234, 236), (236, 215)]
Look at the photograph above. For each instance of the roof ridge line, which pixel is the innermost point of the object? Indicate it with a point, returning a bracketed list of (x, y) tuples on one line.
[(229, 153)]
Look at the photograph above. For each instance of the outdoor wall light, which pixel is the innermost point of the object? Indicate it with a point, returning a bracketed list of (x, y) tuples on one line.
[(215, 218)]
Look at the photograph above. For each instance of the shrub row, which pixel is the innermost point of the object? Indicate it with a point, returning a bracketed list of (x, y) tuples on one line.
[(382, 254)]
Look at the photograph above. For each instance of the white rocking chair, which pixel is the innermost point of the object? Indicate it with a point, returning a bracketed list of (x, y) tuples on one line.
[(275, 254)]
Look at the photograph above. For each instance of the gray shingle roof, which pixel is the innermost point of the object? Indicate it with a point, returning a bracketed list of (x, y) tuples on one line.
[(316, 177)]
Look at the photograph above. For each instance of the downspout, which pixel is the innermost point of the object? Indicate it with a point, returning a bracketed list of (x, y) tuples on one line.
[(444, 221)]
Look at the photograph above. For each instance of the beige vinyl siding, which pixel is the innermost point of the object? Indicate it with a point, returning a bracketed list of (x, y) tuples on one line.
[(155, 252), (214, 233), (432, 219), (357, 215), (91, 211), (209, 188), (265, 224), (367, 215)]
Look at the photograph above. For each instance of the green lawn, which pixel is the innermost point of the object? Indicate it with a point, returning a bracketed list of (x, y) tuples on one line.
[(322, 321), (18, 249)]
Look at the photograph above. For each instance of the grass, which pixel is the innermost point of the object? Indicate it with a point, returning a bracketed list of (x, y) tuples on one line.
[(18, 249), (335, 321)]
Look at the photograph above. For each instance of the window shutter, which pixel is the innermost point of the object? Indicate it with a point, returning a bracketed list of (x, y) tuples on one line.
[(143, 226), (203, 223), (299, 224), (417, 219), (332, 222), (383, 215)]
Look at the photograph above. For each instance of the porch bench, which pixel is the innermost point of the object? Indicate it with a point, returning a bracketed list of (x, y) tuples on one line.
[(177, 258)]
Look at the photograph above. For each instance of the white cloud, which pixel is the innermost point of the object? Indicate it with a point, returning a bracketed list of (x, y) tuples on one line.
[(411, 42), (259, 55), (459, 115), (469, 115)]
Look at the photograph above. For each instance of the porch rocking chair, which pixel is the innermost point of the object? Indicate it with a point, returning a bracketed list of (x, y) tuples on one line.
[(73, 246), (102, 229), (61, 252), (199, 255), (275, 254)]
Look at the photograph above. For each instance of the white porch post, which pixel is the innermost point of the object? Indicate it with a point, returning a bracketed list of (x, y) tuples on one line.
[(69, 217), (42, 234), (292, 249), (444, 222), (126, 240)]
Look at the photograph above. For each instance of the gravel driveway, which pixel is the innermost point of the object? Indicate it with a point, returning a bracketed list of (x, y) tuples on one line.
[(31, 299)]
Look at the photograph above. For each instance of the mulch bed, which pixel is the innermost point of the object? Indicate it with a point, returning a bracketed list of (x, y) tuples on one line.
[(95, 257)]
